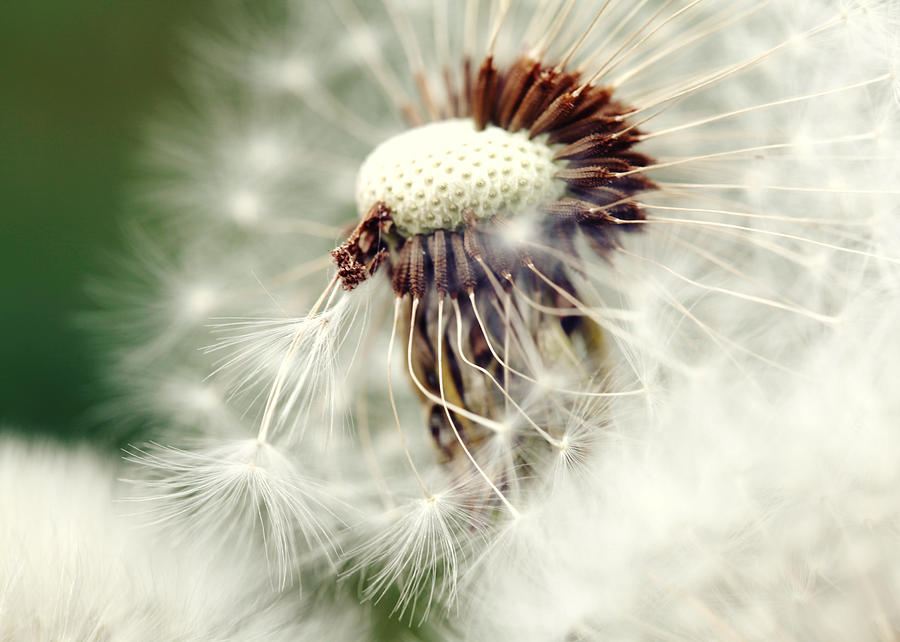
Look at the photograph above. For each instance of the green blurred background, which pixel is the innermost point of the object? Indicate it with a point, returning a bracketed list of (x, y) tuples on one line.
[(79, 80)]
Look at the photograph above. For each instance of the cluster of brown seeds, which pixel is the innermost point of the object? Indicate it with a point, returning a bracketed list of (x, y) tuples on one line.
[(595, 140)]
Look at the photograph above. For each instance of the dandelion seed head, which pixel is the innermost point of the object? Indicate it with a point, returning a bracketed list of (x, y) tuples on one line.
[(611, 338)]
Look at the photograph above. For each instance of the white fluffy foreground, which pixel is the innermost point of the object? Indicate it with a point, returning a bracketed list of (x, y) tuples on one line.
[(724, 516), (75, 568), (711, 517)]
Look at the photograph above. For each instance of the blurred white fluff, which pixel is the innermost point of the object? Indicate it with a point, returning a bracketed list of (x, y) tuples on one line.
[(73, 567), (228, 492), (745, 488), (725, 516)]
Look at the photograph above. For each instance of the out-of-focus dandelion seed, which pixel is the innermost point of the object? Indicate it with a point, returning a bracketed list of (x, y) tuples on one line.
[(235, 489), (418, 548), (74, 567)]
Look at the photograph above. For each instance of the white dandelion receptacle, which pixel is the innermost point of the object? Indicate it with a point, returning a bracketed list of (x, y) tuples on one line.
[(430, 175)]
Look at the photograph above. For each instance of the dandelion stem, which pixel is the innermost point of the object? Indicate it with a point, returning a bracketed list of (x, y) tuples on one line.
[(370, 55), (613, 63), (788, 188), (471, 416), (410, 44), (546, 41), (390, 353), (554, 442), (791, 237), (666, 53), (731, 70), (495, 31), (507, 333), (365, 438), (540, 23), (605, 44), (775, 103), (822, 318), (606, 324), (748, 150), (470, 29), (512, 509), (281, 377), (563, 63), (522, 375)]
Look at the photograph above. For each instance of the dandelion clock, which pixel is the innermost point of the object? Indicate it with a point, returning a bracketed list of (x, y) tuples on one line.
[(533, 320)]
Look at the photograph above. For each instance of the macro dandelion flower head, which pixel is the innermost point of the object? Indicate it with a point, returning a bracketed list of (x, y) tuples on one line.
[(436, 270)]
